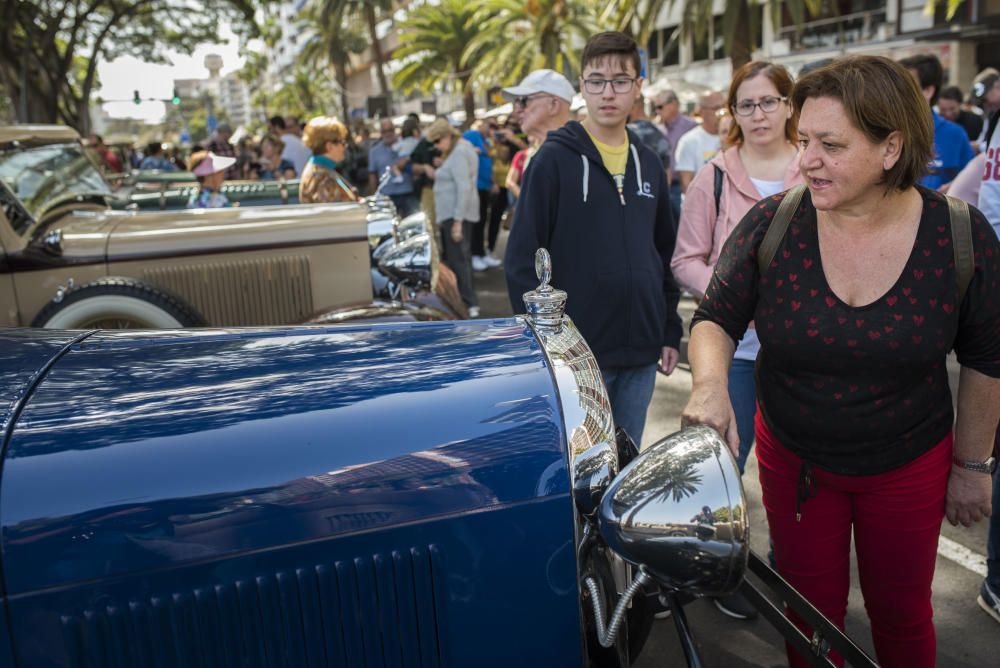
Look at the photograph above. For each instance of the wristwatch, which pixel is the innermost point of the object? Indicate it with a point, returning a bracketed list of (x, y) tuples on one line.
[(989, 466)]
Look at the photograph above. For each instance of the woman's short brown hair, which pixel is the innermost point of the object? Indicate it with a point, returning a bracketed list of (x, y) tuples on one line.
[(321, 130), (782, 81), (274, 140), (879, 97)]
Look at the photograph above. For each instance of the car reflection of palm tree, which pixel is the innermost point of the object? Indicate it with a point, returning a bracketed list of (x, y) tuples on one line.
[(676, 478)]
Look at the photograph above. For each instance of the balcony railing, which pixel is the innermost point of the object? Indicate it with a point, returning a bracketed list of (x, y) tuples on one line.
[(837, 31)]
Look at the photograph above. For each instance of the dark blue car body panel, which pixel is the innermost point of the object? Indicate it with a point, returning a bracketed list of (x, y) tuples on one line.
[(387, 495)]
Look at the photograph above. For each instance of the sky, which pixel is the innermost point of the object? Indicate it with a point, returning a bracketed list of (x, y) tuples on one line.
[(119, 78)]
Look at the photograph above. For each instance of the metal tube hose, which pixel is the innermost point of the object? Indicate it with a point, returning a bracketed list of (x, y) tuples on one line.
[(606, 636)]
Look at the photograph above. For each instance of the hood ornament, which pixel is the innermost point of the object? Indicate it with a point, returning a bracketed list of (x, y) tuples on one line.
[(545, 305)]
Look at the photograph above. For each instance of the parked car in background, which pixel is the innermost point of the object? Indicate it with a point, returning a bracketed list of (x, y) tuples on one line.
[(171, 191), (70, 261)]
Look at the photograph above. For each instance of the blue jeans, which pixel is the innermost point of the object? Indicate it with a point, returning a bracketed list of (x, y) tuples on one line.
[(993, 541), (630, 388), (743, 396), (405, 204), (675, 203)]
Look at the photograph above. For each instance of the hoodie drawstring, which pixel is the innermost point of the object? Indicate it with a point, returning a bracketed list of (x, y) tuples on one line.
[(621, 195), (638, 171)]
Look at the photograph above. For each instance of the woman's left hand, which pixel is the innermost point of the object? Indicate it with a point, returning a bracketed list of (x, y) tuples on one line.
[(968, 497)]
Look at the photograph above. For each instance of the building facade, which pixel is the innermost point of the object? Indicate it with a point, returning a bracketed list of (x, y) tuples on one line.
[(967, 43)]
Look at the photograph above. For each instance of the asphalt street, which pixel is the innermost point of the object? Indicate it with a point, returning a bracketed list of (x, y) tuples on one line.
[(966, 635)]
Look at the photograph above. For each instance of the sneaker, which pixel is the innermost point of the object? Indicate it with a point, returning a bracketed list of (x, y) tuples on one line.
[(473, 311), (479, 263), (492, 261), (663, 614), (989, 601), (736, 606)]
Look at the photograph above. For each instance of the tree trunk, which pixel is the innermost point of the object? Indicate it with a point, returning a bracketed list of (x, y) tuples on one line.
[(468, 99), (741, 46), (376, 49), (340, 74)]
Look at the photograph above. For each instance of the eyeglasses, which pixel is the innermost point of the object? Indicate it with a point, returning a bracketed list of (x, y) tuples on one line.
[(597, 86), (523, 101), (766, 104)]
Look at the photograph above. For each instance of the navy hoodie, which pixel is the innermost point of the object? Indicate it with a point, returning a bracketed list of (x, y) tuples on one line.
[(611, 257)]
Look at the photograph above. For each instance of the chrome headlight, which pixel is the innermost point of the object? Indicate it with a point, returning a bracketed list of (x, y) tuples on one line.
[(415, 223), (679, 511), (409, 261)]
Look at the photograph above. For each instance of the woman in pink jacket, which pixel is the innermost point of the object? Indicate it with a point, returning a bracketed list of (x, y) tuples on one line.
[(761, 161)]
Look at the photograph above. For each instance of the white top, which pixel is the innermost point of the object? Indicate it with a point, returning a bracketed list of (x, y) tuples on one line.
[(295, 152), (749, 345), (767, 188), (989, 189), (694, 149)]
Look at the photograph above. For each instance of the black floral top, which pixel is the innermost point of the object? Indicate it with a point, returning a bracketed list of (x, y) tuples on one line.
[(858, 390)]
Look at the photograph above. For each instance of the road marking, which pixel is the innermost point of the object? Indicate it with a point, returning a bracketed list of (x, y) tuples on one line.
[(962, 555)]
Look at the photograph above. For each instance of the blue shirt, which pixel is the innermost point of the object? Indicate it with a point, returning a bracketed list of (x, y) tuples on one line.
[(951, 152), (152, 162), (484, 180), (381, 156)]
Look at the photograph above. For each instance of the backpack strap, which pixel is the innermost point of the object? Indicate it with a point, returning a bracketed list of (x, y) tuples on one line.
[(719, 177), (961, 241), (779, 225)]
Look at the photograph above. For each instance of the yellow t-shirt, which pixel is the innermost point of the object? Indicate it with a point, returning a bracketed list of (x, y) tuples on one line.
[(615, 159)]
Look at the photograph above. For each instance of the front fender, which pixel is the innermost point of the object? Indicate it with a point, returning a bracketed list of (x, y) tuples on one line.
[(356, 491)]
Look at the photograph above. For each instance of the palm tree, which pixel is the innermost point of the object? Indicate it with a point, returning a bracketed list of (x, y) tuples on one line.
[(333, 39), (739, 22), (518, 36), (370, 12), (434, 45)]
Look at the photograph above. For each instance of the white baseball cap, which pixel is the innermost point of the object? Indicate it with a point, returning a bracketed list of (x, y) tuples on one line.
[(541, 81)]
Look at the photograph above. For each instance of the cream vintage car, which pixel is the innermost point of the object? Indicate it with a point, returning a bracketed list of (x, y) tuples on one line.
[(67, 260)]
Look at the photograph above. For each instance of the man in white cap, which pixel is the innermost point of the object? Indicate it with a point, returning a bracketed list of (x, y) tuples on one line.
[(541, 102)]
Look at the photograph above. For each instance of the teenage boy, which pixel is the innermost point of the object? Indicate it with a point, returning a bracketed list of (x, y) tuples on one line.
[(598, 200)]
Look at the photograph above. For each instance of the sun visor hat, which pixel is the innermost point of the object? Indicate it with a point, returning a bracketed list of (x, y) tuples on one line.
[(213, 163)]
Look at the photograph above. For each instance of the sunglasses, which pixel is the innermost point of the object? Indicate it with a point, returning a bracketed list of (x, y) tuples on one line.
[(524, 100)]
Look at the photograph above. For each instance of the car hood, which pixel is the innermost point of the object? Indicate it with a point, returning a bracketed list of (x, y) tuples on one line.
[(210, 230), (124, 234)]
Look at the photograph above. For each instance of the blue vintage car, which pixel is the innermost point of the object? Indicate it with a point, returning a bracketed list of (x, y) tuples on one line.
[(425, 494)]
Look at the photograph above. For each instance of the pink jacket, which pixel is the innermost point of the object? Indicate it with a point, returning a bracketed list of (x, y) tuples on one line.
[(702, 232)]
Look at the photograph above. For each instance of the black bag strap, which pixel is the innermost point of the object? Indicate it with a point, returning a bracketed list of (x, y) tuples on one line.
[(779, 224), (961, 241), (719, 177), (961, 236)]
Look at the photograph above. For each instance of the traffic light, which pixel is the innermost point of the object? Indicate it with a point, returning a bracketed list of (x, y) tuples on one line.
[(176, 99), (135, 97)]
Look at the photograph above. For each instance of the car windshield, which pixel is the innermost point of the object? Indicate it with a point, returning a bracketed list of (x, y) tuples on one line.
[(43, 175)]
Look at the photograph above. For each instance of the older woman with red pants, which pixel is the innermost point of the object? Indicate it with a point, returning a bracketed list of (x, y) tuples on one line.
[(856, 314)]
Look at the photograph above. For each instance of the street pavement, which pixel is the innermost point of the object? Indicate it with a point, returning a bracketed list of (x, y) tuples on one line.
[(966, 635)]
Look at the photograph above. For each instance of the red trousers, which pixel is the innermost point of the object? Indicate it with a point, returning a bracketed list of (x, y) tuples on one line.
[(896, 519)]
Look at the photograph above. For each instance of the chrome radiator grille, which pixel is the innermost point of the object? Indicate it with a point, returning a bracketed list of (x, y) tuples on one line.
[(271, 291)]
